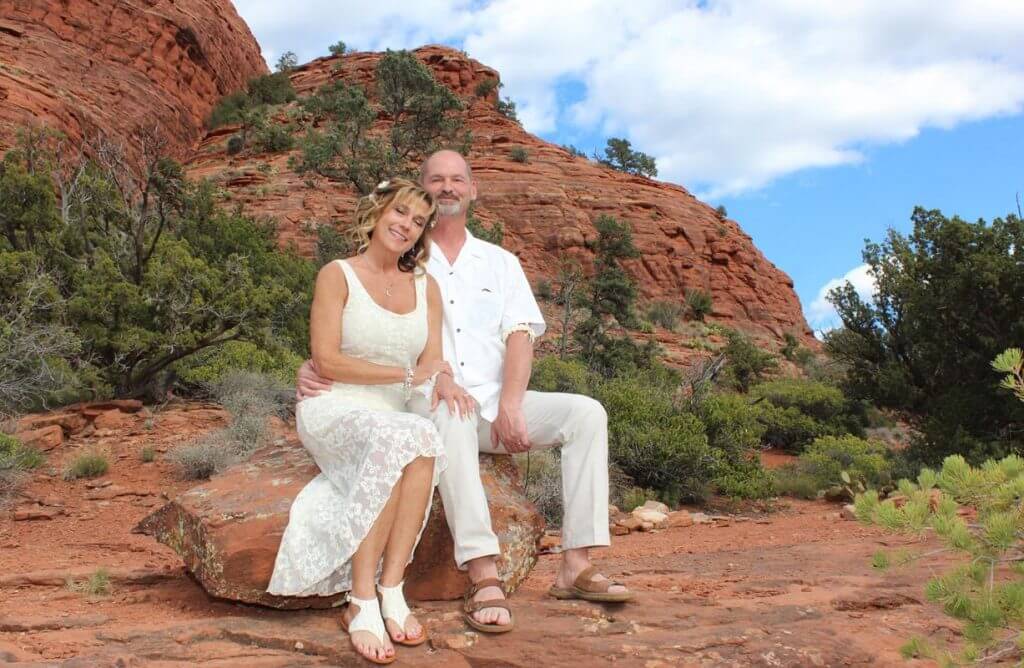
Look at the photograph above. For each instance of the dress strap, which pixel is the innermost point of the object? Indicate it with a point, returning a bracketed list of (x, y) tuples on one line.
[(354, 284), (421, 290)]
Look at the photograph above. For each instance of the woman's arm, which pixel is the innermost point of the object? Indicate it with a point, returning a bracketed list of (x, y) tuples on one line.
[(325, 324)]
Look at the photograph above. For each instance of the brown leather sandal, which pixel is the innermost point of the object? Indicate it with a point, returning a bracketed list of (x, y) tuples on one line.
[(469, 606), (587, 588)]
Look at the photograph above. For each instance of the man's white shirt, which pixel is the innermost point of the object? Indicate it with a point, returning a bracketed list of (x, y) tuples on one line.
[(485, 295)]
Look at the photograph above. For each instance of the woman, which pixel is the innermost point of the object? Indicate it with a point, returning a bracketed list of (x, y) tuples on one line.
[(375, 330)]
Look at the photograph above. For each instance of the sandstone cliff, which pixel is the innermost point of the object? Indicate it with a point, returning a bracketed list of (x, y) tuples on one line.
[(547, 204), (82, 66), (87, 66)]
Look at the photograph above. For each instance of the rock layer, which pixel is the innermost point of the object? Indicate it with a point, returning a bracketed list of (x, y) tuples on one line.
[(227, 530), (88, 66), (547, 205)]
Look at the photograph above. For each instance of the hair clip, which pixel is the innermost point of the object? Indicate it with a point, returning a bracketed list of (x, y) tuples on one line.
[(383, 184)]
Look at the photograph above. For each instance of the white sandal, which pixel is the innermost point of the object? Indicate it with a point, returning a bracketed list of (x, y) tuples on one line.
[(367, 619), (394, 607)]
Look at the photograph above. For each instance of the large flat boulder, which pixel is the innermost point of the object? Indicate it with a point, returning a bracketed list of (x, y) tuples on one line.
[(228, 529)]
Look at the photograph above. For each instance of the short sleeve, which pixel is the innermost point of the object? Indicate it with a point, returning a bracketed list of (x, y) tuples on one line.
[(520, 305)]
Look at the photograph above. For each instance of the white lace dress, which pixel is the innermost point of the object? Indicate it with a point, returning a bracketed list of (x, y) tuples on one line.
[(361, 438)]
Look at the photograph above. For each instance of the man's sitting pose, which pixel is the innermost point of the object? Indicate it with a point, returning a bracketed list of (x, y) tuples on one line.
[(490, 321)]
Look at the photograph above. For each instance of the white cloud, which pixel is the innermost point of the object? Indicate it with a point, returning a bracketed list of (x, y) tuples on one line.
[(821, 315), (726, 94)]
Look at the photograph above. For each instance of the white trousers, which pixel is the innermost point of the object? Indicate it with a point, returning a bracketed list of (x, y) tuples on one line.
[(577, 423)]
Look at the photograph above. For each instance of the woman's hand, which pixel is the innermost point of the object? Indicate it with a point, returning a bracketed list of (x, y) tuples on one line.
[(427, 370), (458, 400), (309, 383)]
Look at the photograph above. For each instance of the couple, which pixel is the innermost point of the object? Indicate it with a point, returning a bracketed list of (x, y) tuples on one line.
[(386, 417)]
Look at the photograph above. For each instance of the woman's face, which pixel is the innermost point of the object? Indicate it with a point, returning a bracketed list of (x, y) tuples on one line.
[(401, 225)]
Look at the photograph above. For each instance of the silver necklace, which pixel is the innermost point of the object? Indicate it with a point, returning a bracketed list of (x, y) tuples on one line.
[(387, 287)]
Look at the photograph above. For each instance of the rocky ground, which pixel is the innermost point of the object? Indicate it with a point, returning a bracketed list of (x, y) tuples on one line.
[(792, 587)]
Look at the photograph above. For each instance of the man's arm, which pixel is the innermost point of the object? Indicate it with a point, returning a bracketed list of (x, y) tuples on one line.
[(509, 427)]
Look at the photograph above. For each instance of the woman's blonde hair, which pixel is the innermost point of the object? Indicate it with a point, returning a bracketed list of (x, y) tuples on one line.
[(370, 208)]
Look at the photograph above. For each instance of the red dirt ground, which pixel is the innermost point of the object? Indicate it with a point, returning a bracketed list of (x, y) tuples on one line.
[(793, 587)]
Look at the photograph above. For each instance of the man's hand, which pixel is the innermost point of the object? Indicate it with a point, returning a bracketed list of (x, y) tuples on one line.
[(309, 383), (509, 429), (458, 400)]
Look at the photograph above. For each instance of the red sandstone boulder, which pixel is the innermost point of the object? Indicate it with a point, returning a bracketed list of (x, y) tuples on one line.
[(44, 438), (228, 529)]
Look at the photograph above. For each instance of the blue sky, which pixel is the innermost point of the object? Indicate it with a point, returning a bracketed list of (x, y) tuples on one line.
[(817, 124)]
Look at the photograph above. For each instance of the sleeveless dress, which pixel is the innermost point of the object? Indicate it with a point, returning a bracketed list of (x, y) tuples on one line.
[(361, 438)]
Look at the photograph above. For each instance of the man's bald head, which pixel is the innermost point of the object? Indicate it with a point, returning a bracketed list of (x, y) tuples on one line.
[(449, 159)]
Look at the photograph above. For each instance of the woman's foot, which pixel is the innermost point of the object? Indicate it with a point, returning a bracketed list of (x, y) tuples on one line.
[(366, 642), (412, 632), (402, 626)]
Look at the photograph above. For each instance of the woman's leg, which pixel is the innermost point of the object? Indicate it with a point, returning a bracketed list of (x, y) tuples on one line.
[(364, 572), (416, 488)]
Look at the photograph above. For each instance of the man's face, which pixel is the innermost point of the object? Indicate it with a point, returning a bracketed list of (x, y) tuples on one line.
[(446, 177)]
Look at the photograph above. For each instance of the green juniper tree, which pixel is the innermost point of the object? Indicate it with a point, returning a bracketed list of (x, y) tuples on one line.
[(619, 154), (610, 299), (949, 299), (421, 114), (146, 270)]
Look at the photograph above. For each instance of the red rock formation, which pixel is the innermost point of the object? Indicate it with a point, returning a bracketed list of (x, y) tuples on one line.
[(83, 66), (227, 530), (547, 205)]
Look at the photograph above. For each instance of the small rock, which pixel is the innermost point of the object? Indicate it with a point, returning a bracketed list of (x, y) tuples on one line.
[(631, 523), (680, 518), (114, 491), (619, 530), (548, 543), (299, 646), (453, 640), (44, 438), (658, 506), (113, 419), (647, 515), (37, 513), (700, 518), (71, 423), (96, 484), (849, 512), (613, 510)]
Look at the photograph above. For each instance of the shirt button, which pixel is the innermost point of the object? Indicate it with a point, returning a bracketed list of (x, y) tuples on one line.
[(462, 364), (458, 329), (451, 301)]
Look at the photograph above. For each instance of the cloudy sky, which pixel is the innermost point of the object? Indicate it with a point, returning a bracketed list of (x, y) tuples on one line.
[(817, 123)]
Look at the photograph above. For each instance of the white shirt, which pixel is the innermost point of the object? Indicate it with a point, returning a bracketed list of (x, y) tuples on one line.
[(485, 294)]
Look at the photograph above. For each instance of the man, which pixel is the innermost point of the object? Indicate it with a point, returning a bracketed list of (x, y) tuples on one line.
[(490, 322)]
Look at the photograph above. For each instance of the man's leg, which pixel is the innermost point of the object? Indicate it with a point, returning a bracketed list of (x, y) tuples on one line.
[(580, 425), (465, 503)]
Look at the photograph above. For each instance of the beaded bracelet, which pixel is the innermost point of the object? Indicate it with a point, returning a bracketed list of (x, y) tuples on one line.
[(407, 383)]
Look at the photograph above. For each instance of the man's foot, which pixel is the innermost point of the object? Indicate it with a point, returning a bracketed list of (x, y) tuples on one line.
[(496, 616), (483, 607), (567, 577), (588, 585), (366, 643)]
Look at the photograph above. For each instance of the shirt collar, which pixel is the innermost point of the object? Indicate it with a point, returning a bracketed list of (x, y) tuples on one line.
[(473, 247)]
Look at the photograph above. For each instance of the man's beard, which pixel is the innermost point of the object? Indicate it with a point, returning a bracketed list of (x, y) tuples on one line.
[(449, 210)]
